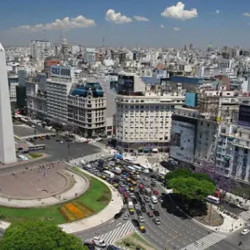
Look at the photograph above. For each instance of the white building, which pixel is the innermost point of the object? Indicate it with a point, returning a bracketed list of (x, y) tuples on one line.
[(143, 116), (40, 49)]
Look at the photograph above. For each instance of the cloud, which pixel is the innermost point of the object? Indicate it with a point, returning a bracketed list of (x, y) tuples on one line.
[(178, 12), (162, 26), (217, 11), (117, 18), (246, 14), (65, 23), (176, 29), (141, 18)]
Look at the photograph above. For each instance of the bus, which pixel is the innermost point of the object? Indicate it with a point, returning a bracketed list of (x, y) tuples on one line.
[(137, 168), (109, 174), (213, 199), (145, 169), (131, 169), (37, 147)]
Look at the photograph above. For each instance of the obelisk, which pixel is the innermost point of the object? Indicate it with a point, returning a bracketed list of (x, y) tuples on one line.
[(7, 143)]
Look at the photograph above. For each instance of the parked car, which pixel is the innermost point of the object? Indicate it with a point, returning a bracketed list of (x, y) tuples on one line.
[(143, 209)]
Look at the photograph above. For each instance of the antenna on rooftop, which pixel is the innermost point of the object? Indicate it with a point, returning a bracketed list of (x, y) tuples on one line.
[(44, 35), (103, 42)]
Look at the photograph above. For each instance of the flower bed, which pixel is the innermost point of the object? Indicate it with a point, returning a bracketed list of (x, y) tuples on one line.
[(74, 211)]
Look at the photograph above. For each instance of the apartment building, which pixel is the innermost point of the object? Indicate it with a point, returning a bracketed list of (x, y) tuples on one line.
[(143, 114), (87, 109), (61, 99)]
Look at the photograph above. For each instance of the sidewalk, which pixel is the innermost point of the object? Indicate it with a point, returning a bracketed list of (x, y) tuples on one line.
[(229, 224), (104, 215)]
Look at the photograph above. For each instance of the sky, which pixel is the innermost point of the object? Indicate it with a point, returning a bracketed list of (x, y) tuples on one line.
[(148, 23)]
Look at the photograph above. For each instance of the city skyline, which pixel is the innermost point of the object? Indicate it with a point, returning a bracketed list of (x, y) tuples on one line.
[(165, 24)]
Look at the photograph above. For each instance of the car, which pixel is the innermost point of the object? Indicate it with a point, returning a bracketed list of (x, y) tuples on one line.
[(156, 213), (89, 245), (153, 180), (133, 196), (112, 247), (137, 206), (99, 242), (152, 206), (131, 189), (20, 148), (143, 209), (150, 214), (160, 199), (103, 177), (135, 222), (134, 200), (118, 215), (125, 217), (245, 231), (131, 211), (142, 229), (147, 199), (138, 212), (145, 179), (155, 192), (116, 185), (141, 219), (157, 221)]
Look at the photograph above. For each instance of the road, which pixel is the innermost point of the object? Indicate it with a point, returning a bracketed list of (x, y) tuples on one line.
[(235, 241), (176, 230)]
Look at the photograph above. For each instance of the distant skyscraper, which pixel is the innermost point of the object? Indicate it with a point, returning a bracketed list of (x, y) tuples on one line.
[(7, 144)]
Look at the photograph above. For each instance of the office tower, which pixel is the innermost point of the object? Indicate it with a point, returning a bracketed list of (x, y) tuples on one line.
[(7, 145)]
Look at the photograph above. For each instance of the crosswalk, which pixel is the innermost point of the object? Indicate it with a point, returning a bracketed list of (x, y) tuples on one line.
[(205, 242), (118, 233)]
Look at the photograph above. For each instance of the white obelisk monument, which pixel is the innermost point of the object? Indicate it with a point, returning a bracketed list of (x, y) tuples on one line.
[(7, 143)]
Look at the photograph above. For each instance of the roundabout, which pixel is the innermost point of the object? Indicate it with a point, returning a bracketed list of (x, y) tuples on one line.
[(71, 196), (45, 185)]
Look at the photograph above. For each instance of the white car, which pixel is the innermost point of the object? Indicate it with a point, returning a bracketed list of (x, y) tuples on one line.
[(141, 219), (99, 242), (245, 231)]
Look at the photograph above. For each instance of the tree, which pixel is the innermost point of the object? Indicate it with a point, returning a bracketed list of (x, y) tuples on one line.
[(181, 172), (192, 188), (37, 235)]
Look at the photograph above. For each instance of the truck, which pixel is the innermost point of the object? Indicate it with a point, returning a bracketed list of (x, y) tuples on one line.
[(148, 191)]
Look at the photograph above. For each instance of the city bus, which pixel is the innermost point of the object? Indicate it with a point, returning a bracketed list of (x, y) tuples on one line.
[(145, 169), (37, 147), (137, 168), (213, 199)]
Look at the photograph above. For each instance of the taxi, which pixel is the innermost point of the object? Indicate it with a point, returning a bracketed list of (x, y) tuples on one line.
[(142, 229)]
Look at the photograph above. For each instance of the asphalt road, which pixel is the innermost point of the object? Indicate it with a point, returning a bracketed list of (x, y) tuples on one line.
[(235, 242), (65, 150), (175, 231)]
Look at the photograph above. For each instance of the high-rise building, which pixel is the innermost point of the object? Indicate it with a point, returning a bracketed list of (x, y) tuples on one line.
[(40, 49), (7, 144)]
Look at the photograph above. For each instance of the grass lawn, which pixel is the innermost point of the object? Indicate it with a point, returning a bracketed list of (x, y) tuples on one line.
[(96, 197), (35, 155)]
